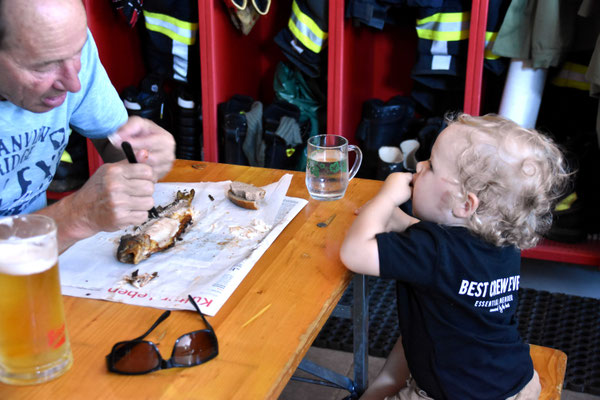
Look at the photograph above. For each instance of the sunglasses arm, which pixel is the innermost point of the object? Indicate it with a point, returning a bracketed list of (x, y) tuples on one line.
[(199, 312), (160, 319)]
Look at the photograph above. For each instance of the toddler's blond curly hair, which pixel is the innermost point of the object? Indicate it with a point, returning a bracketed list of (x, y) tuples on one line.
[(517, 174)]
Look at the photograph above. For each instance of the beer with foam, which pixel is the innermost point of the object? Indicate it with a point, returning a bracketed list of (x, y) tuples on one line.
[(34, 345)]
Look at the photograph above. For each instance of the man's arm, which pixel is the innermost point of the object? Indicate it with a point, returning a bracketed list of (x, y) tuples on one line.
[(359, 250), (118, 194)]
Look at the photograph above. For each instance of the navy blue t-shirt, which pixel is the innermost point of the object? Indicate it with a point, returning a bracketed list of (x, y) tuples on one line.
[(457, 297)]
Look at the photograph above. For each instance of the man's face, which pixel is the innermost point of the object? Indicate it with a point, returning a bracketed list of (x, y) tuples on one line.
[(40, 59), (435, 182)]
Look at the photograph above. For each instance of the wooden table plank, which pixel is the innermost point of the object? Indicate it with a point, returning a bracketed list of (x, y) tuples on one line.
[(300, 278)]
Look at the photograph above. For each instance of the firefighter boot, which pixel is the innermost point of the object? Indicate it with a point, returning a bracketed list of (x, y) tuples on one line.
[(382, 124), (147, 102), (390, 160), (188, 134), (281, 135), (232, 128)]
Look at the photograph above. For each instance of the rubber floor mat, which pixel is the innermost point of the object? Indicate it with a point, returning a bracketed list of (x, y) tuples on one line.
[(564, 322)]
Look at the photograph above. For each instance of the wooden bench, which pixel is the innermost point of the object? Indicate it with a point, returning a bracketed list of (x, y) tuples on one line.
[(550, 365)]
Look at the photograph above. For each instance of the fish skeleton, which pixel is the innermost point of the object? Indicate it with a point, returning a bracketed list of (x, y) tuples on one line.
[(159, 233)]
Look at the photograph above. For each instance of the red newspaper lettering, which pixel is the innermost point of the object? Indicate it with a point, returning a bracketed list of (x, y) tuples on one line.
[(206, 303)]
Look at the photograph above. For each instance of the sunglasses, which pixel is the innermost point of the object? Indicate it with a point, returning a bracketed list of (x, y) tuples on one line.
[(138, 356)]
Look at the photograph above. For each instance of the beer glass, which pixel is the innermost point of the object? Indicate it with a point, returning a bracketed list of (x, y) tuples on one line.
[(327, 174), (34, 346)]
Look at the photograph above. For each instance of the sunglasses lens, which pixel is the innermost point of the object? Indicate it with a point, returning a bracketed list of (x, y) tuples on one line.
[(134, 357), (195, 348)]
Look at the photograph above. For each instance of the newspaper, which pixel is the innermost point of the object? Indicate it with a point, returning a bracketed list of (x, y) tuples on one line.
[(215, 254)]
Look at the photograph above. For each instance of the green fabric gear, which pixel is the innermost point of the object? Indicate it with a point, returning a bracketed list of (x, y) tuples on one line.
[(290, 85)]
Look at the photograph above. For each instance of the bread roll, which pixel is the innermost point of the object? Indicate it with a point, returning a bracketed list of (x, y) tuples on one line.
[(245, 195)]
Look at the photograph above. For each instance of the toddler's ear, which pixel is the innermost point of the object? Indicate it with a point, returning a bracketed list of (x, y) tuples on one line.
[(466, 208)]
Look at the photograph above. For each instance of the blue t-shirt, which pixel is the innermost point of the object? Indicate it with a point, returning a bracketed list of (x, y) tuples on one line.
[(31, 144), (457, 297)]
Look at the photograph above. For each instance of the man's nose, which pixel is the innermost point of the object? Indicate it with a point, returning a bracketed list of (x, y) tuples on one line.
[(69, 76)]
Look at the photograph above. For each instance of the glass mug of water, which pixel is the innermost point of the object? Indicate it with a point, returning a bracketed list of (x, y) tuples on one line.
[(327, 174), (34, 346)]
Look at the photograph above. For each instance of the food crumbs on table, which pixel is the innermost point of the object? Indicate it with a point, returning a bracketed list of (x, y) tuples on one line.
[(211, 198), (198, 166), (139, 281)]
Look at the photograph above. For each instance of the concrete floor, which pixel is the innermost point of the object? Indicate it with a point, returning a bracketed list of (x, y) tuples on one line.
[(540, 275)]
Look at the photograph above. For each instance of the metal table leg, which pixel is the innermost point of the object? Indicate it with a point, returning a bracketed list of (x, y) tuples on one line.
[(360, 317), (360, 322)]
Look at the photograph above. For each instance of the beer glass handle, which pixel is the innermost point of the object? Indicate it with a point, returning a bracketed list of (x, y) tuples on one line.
[(357, 160)]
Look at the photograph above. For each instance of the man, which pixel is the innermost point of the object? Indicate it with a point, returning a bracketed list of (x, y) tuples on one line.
[(51, 78)]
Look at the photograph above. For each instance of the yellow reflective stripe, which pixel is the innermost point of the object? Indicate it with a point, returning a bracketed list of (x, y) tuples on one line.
[(429, 34), (306, 20), (66, 157), (577, 68), (303, 38), (490, 38), (178, 30), (190, 26), (446, 17), (572, 76), (306, 30), (444, 27), (566, 203), (565, 82)]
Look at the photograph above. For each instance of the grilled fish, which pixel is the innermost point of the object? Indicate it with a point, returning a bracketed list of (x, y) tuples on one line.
[(159, 233)]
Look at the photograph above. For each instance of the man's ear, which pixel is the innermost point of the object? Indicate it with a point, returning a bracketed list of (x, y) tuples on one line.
[(466, 208)]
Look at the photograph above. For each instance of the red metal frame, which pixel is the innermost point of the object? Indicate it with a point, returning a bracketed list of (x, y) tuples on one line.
[(587, 253), (208, 77), (335, 77), (474, 74)]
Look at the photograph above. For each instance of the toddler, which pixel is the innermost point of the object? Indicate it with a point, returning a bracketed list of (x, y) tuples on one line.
[(486, 192)]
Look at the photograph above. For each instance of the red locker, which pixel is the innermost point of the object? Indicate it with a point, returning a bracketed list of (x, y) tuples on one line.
[(362, 64)]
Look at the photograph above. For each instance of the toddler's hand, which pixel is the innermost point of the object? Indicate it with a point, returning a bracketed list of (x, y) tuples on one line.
[(397, 187)]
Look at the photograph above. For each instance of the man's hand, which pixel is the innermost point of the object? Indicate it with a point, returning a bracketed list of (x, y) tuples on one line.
[(116, 196), (152, 144)]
